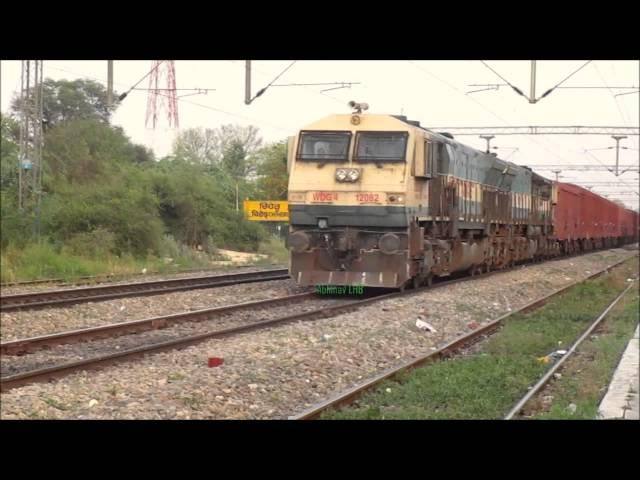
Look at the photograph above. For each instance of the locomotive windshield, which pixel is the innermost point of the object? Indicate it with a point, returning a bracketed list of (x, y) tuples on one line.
[(324, 146), (381, 147)]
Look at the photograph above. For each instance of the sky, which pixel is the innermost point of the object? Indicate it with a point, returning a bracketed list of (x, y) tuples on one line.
[(433, 92)]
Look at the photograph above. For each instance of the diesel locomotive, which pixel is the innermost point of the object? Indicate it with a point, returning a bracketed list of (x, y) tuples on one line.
[(380, 201)]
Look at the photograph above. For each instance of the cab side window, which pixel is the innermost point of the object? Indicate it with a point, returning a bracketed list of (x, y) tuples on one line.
[(432, 157)]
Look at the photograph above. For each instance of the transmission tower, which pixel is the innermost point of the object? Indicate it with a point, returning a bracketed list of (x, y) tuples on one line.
[(162, 93), (31, 140)]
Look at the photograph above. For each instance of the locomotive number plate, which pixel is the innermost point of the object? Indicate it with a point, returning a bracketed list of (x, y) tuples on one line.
[(364, 197), (324, 196)]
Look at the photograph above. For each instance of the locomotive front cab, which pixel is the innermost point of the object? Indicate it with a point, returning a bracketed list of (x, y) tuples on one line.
[(347, 202)]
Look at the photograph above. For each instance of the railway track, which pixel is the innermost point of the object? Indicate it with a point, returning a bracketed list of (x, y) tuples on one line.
[(52, 298), (47, 373), (90, 279), (31, 345), (43, 374), (545, 378), (85, 279), (348, 397)]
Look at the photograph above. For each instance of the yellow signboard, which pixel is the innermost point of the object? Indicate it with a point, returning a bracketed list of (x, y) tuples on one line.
[(267, 210)]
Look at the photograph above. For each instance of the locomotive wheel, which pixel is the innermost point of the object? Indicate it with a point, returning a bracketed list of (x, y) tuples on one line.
[(416, 282), (429, 280)]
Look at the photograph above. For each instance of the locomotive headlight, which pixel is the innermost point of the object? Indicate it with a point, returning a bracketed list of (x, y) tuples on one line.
[(347, 174), (341, 174), (389, 243)]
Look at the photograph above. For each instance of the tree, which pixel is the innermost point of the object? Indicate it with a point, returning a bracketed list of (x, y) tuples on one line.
[(272, 173), (65, 100), (229, 148), (239, 145), (196, 208), (82, 150), (122, 203), (9, 131), (198, 146), (234, 160), (247, 136)]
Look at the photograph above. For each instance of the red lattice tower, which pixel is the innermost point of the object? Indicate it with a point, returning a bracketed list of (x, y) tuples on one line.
[(162, 93)]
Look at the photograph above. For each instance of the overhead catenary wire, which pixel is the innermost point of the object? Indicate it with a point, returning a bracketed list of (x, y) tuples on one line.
[(261, 91), (564, 80), (560, 83), (534, 100), (309, 90), (613, 96), (516, 89), (215, 108), (212, 108), (124, 95), (489, 110), (485, 108), (339, 85), (626, 93)]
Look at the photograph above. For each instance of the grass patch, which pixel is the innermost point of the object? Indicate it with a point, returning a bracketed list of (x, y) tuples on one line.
[(275, 250), (52, 402), (175, 377), (43, 261), (487, 385), (195, 401), (586, 375)]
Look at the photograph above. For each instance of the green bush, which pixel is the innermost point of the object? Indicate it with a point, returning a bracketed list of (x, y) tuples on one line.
[(41, 260), (275, 249), (109, 207), (100, 242)]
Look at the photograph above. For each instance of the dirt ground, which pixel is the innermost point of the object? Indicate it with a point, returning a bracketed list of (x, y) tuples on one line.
[(236, 258)]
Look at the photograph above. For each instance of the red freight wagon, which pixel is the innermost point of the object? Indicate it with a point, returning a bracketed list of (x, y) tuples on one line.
[(629, 225), (584, 220), (601, 217), (567, 213)]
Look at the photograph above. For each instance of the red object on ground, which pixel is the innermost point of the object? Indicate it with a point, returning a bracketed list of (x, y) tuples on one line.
[(215, 361)]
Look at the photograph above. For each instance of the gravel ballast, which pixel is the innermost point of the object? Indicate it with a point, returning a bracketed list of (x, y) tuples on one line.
[(30, 323), (119, 280), (281, 371), (60, 354)]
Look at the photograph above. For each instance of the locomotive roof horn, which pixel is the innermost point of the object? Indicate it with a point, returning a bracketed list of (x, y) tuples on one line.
[(358, 107)]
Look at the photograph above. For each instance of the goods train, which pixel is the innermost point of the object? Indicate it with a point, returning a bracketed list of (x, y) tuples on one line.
[(380, 201)]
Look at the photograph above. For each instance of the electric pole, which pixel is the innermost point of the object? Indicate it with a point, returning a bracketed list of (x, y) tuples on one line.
[(488, 139), (557, 172), (532, 95), (109, 83), (617, 138), (247, 82), (31, 142)]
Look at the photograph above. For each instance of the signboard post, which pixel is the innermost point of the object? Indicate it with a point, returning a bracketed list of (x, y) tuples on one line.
[(266, 210)]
